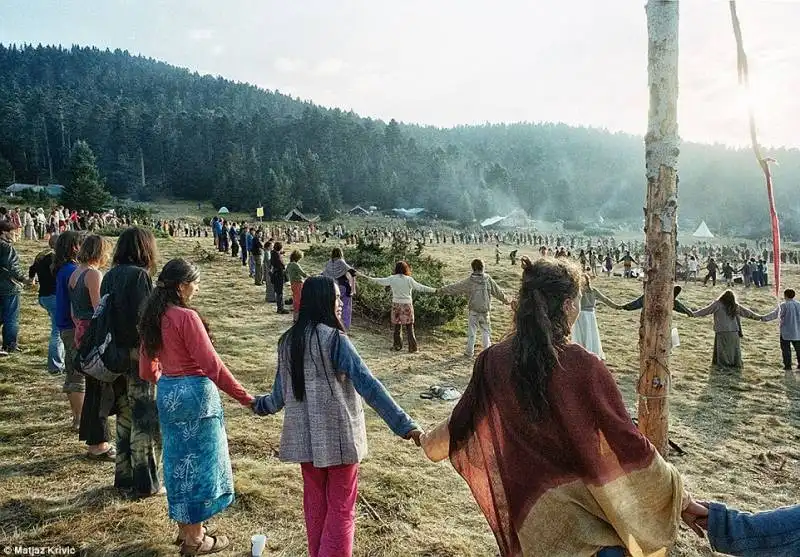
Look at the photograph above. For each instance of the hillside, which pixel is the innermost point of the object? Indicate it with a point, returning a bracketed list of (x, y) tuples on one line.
[(201, 137)]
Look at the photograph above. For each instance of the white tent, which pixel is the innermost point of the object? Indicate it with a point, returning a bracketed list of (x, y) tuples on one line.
[(703, 231), (223, 211)]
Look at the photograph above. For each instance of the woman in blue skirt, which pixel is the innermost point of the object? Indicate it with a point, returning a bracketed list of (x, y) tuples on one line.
[(177, 354)]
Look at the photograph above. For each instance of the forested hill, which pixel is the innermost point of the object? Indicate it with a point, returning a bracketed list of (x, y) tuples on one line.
[(202, 137)]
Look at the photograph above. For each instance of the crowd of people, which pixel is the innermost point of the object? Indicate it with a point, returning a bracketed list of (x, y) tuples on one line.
[(614, 496)]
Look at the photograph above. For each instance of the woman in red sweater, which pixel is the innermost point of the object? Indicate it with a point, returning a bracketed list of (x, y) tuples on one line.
[(176, 352)]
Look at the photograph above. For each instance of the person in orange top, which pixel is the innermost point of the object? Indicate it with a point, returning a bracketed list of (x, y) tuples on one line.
[(176, 352)]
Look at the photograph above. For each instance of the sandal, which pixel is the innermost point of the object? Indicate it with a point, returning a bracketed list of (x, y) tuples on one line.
[(220, 543), (109, 455), (207, 531)]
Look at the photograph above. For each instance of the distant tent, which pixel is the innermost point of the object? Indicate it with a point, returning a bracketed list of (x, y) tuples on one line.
[(703, 231), (296, 216), (409, 213), (492, 221), (223, 211), (53, 190), (358, 211)]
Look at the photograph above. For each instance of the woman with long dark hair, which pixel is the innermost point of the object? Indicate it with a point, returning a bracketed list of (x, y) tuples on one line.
[(345, 276), (402, 285), (128, 284), (177, 353), (538, 402), (319, 379), (727, 328), (42, 269)]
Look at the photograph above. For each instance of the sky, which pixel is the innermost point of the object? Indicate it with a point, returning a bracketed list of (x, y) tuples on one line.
[(453, 62)]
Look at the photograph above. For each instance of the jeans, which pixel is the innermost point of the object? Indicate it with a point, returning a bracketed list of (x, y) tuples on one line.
[(329, 505), (611, 552), (786, 351), (9, 318), (477, 320), (767, 534), (55, 348)]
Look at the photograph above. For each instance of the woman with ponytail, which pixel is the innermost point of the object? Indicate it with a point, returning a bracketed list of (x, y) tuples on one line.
[(537, 402), (176, 352)]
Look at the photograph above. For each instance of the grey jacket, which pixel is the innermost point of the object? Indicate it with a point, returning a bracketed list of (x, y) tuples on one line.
[(11, 276), (327, 428), (479, 288)]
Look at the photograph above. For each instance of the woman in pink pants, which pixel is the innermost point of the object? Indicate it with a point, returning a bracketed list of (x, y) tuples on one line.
[(319, 379)]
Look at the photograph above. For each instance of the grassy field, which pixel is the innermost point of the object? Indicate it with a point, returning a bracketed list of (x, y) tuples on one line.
[(741, 431)]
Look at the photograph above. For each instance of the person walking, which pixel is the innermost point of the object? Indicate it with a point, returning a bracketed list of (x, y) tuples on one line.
[(42, 270), (479, 288), (11, 281), (127, 286), (727, 329), (320, 381), (789, 314), (544, 397), (402, 286), (711, 267), (177, 354)]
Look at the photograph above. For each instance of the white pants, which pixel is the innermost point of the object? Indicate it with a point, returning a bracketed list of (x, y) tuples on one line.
[(478, 320)]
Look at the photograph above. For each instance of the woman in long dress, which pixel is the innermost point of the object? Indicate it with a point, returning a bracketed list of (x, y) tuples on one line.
[(727, 328), (585, 331)]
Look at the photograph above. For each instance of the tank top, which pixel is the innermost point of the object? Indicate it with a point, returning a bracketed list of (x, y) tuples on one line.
[(80, 300)]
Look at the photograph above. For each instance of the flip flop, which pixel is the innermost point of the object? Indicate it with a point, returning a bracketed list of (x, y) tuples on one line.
[(220, 543), (109, 455), (207, 531)]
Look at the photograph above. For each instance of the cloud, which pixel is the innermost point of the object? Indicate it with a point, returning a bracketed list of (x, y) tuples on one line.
[(328, 67), (288, 65), (201, 34), (217, 49)]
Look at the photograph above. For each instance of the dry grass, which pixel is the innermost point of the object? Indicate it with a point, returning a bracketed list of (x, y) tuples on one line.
[(741, 431)]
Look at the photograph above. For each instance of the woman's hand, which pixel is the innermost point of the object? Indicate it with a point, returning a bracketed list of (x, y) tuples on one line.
[(695, 516), (414, 435)]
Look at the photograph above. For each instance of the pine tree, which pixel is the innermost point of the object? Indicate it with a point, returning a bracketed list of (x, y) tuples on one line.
[(85, 189)]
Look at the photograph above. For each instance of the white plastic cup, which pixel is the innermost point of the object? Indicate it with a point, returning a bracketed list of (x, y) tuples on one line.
[(257, 544)]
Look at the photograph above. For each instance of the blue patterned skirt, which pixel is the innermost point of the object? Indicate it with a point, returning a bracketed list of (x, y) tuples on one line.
[(197, 466)]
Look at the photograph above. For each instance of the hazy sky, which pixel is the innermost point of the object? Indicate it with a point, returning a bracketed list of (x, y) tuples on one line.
[(450, 62)]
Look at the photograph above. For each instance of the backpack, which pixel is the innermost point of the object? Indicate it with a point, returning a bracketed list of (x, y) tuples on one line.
[(99, 356)]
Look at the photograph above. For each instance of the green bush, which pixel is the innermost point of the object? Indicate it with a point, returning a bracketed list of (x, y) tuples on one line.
[(374, 302)]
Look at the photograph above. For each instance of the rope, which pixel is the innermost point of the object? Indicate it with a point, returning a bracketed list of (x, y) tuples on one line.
[(744, 80)]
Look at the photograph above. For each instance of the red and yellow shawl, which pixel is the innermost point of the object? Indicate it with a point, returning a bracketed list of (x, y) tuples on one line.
[(582, 479)]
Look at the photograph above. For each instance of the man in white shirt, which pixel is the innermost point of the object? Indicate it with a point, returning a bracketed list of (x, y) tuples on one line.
[(789, 313)]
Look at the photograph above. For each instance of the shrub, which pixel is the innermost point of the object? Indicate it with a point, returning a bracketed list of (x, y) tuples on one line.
[(372, 301)]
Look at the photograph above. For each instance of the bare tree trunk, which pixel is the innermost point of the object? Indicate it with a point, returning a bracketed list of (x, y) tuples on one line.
[(662, 149), (141, 161), (47, 145)]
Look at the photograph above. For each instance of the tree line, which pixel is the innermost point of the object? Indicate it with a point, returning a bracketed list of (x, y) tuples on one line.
[(157, 130)]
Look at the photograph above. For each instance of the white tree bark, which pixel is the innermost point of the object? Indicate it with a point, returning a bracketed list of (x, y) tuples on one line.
[(662, 147)]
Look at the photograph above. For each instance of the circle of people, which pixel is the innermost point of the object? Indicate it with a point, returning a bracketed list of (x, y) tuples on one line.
[(545, 383)]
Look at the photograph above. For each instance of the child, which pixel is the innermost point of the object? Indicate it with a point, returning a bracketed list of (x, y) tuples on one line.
[(319, 379), (479, 288), (295, 274)]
